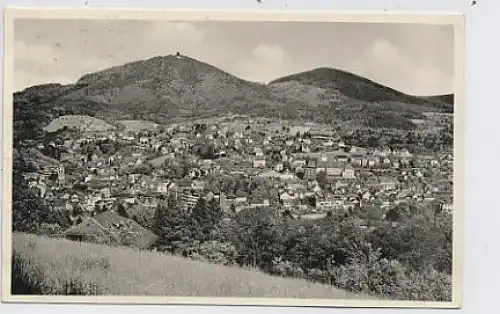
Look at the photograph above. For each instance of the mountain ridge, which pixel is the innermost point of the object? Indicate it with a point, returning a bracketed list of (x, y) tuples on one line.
[(168, 88), (367, 89)]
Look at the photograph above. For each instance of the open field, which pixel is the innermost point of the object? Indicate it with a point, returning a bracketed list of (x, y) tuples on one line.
[(80, 122), (138, 125), (57, 266)]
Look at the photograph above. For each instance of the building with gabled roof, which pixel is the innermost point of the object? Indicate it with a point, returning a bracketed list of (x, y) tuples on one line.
[(112, 229)]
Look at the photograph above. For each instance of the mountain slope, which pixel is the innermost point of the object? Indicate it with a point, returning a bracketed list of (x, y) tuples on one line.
[(351, 86), (156, 89), (448, 98)]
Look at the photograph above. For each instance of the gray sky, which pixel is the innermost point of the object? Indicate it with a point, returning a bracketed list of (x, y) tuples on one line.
[(413, 58)]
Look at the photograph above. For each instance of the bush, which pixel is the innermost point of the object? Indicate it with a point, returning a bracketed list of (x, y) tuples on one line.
[(215, 252)]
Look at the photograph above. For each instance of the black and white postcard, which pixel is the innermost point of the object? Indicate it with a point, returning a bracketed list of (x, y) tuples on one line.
[(243, 158)]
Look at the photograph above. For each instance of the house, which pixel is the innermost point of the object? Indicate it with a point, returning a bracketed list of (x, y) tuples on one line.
[(259, 202), (238, 202), (226, 201), (348, 173), (386, 151), (288, 198), (330, 166), (387, 183), (405, 152), (134, 177), (447, 207), (334, 169), (395, 164), (259, 162), (112, 229), (65, 156), (258, 152), (310, 169), (357, 159), (162, 187), (342, 157), (179, 140), (148, 202), (328, 143), (324, 201), (129, 200), (189, 200), (279, 167), (198, 185), (299, 163), (105, 192)]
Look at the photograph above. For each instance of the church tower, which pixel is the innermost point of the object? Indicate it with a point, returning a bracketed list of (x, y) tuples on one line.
[(60, 175)]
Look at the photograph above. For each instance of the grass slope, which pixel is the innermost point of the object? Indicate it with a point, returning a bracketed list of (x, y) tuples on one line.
[(137, 125), (82, 123), (57, 266)]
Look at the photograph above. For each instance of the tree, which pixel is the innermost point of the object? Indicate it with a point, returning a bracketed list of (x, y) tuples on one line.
[(28, 209), (256, 236), (200, 220), (122, 211), (215, 211), (311, 200), (322, 180), (374, 213)]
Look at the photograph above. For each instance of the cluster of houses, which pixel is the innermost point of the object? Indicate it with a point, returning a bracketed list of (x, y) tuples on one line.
[(134, 174)]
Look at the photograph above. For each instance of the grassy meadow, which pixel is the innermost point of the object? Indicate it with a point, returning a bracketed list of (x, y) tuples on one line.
[(49, 266)]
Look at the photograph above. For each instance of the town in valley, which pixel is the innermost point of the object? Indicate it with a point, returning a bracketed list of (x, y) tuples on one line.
[(177, 175), (241, 162)]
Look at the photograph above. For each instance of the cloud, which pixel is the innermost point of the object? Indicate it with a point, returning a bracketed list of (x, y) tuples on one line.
[(384, 51), (384, 61), (179, 35), (269, 53), (190, 32), (266, 62)]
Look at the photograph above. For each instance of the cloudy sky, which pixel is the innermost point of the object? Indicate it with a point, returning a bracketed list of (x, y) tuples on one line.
[(416, 59)]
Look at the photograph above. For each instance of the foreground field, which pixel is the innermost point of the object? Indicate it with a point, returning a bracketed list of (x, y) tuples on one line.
[(56, 266)]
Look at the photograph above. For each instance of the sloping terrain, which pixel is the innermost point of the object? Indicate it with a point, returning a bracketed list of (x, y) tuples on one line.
[(333, 82), (76, 122), (91, 269), (449, 98), (137, 125)]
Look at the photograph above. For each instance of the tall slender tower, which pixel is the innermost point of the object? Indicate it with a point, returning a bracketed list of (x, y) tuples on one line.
[(60, 175)]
